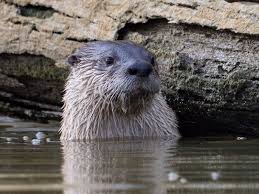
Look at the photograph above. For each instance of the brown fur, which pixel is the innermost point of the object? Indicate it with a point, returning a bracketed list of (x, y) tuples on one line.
[(97, 106)]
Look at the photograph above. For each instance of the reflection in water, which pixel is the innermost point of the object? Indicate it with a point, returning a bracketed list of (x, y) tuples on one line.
[(194, 166), (132, 166), (157, 167)]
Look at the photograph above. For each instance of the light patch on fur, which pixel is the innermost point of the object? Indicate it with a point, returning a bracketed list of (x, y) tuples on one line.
[(123, 103)]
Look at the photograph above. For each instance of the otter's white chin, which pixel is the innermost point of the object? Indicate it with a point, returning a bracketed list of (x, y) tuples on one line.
[(140, 93), (144, 89)]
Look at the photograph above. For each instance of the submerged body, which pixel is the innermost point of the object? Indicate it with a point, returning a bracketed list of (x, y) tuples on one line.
[(113, 91)]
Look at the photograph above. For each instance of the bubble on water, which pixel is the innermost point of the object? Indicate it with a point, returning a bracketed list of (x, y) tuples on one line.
[(215, 176), (25, 138), (183, 180), (173, 176), (48, 140), (40, 135), (241, 138), (28, 112), (9, 139), (35, 142)]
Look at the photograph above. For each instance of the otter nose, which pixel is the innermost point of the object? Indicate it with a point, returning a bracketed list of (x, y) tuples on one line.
[(140, 69)]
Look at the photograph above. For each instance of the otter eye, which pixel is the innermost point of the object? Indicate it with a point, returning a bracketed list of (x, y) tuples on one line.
[(153, 61), (109, 60)]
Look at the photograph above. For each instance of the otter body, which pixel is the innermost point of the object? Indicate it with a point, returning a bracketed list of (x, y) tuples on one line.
[(113, 91)]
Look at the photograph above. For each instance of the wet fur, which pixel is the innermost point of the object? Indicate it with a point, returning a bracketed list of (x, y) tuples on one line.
[(100, 103)]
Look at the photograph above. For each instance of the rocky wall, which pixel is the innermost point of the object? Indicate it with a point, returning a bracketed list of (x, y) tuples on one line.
[(207, 51)]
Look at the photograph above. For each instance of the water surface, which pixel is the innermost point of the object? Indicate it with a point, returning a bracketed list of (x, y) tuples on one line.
[(201, 165)]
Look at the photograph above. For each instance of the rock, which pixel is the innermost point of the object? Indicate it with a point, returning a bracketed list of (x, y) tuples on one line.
[(207, 50), (31, 85), (55, 28)]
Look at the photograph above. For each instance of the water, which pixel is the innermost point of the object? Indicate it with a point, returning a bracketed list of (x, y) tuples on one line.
[(202, 165)]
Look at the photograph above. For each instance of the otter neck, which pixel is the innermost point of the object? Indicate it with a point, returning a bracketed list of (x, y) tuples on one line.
[(82, 122), (87, 114)]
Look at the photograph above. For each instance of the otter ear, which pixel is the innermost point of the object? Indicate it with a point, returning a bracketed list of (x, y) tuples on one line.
[(73, 60)]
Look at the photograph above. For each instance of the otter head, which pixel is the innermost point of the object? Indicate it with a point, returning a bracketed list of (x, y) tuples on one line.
[(116, 74)]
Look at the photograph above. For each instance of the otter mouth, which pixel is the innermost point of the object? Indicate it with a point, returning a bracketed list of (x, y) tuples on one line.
[(140, 92), (143, 88), (137, 93), (135, 99)]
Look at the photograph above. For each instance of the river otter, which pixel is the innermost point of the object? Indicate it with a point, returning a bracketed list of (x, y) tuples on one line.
[(113, 91)]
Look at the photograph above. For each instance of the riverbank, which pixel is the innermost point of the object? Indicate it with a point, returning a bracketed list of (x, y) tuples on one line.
[(207, 51)]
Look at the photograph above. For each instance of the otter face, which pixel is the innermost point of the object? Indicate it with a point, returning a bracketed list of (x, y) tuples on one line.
[(116, 70)]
